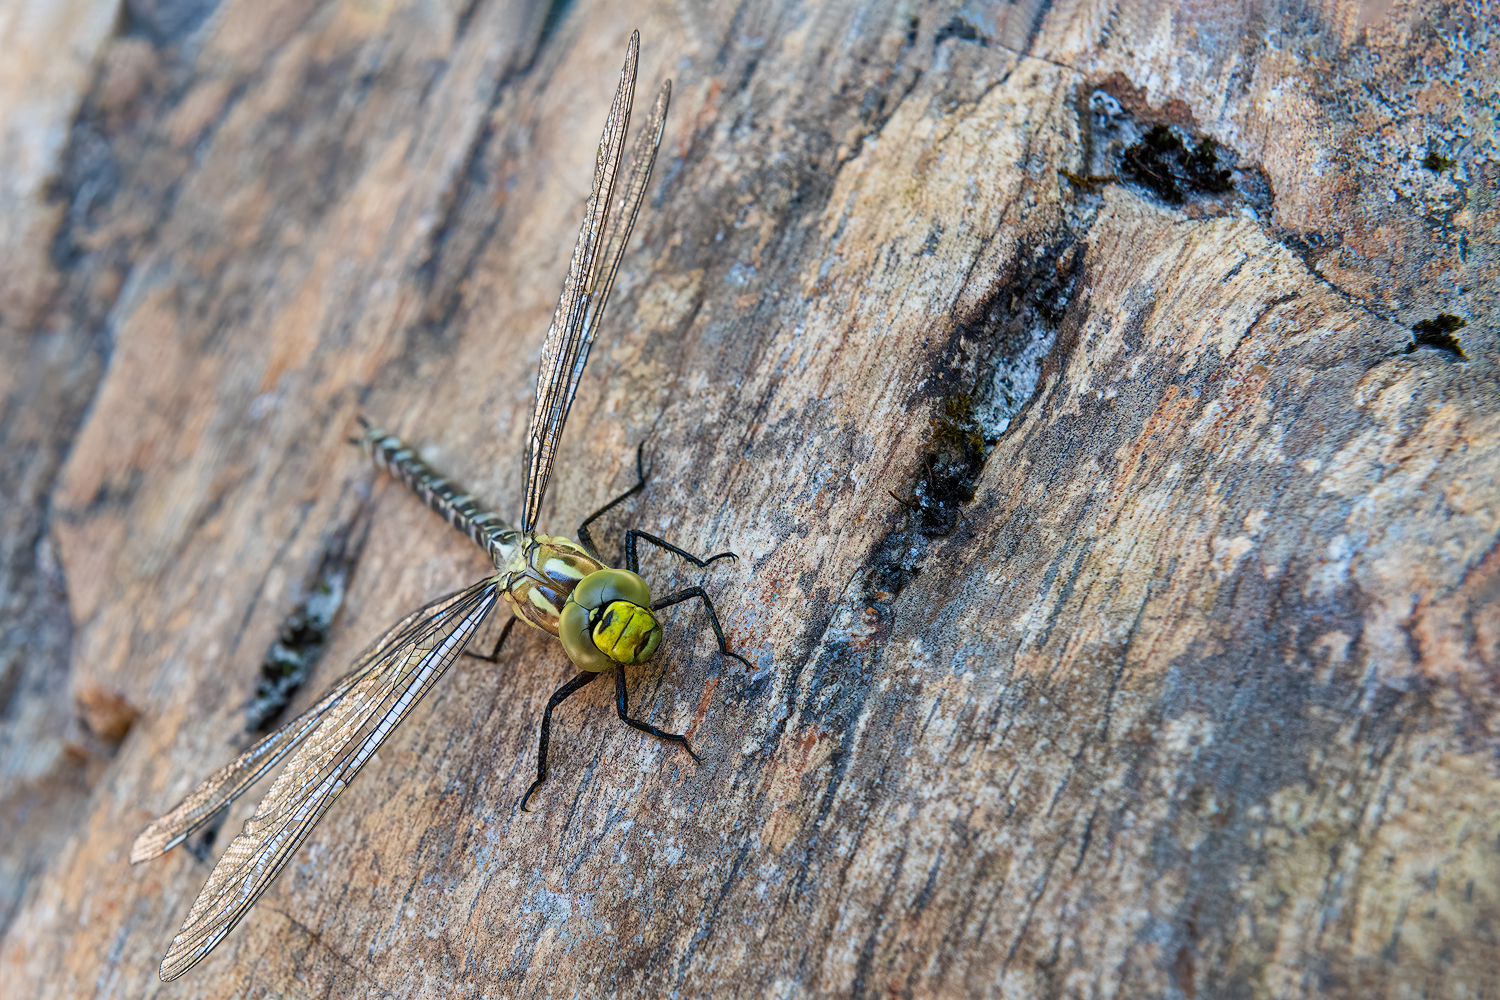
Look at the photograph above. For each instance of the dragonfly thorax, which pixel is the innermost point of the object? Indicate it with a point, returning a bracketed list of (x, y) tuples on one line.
[(541, 577), (602, 615)]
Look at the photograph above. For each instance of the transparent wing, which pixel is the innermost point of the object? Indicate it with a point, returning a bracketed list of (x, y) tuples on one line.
[(230, 781), (591, 275), (621, 222), (406, 662)]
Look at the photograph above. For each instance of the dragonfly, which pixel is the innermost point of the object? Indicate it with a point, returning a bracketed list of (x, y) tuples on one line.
[(604, 616)]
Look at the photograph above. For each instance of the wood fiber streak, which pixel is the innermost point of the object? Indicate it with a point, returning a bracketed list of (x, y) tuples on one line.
[(1197, 698)]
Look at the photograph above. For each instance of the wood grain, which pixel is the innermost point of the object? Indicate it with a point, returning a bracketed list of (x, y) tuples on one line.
[(1186, 686)]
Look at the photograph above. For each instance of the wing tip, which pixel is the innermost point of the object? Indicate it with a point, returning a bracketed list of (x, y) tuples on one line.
[(176, 961), (173, 966), (153, 843), (145, 848), (187, 951), (632, 58)]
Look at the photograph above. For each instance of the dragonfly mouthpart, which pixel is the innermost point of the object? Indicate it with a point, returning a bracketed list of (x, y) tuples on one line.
[(627, 633)]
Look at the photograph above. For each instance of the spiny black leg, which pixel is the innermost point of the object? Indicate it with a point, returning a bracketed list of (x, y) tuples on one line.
[(691, 592), (632, 563), (558, 697), (494, 656), (583, 529), (644, 727)]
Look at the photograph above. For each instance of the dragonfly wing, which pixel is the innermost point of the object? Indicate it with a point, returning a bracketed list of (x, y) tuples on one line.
[(621, 222), (590, 276), (230, 781), (409, 661)]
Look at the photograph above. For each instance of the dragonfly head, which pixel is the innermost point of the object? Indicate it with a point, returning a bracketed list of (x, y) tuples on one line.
[(608, 620)]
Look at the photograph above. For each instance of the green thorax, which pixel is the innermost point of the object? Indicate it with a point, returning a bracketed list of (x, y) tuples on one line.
[(602, 615), (541, 577)]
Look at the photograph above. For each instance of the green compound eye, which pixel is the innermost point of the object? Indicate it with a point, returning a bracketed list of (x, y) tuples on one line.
[(608, 620), (605, 585)]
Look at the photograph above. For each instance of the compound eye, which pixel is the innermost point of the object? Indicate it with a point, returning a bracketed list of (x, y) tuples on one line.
[(573, 630), (602, 586), (627, 633)]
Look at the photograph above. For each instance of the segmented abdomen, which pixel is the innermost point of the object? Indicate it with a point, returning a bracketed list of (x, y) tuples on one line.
[(444, 496)]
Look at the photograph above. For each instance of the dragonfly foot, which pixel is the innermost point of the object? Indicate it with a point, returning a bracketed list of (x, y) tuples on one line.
[(558, 697), (645, 727), (713, 618), (527, 797), (632, 561)]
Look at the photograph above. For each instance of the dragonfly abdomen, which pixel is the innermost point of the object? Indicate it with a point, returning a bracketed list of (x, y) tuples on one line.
[(445, 497)]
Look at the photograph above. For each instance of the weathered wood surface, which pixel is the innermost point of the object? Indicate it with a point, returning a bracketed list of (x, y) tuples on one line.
[(1198, 697)]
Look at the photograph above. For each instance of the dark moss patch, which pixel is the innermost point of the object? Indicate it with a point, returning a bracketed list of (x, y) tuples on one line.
[(960, 29), (1439, 333), (954, 457), (1172, 170), (956, 434), (1162, 152), (1436, 162), (299, 645), (988, 376)]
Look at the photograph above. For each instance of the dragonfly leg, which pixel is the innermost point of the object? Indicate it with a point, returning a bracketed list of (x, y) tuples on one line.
[(364, 425), (713, 618), (632, 561), (640, 484), (558, 697), (644, 727), (494, 654)]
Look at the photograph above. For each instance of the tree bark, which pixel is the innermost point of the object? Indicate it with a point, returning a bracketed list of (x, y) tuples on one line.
[(1082, 387)]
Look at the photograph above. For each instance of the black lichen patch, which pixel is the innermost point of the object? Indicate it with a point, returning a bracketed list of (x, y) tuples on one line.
[(1161, 152), (960, 29), (989, 376), (1172, 170), (1019, 324), (292, 655), (954, 457), (1439, 333), (298, 647), (1436, 162), (201, 844), (1311, 247)]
